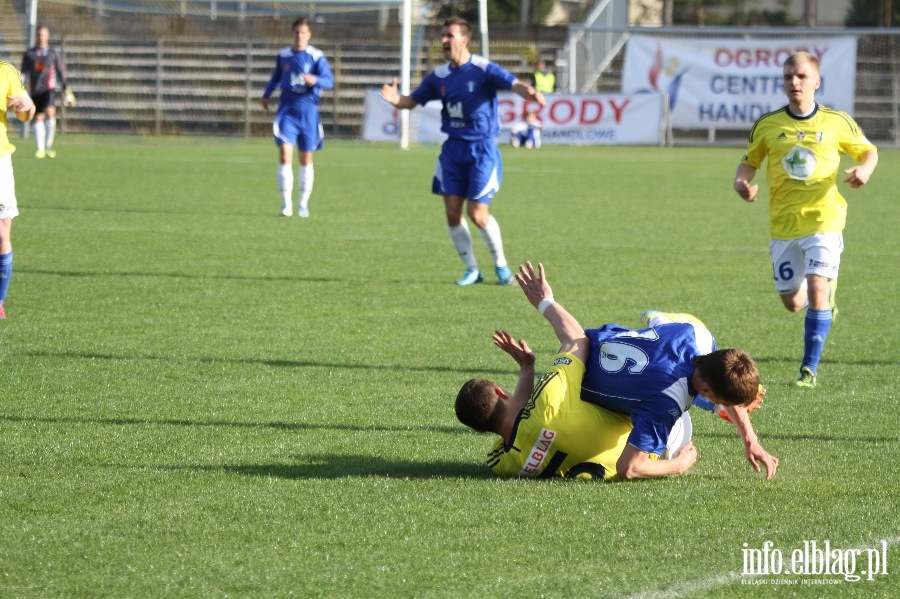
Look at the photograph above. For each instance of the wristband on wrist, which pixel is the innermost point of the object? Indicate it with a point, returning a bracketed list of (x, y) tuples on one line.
[(545, 303)]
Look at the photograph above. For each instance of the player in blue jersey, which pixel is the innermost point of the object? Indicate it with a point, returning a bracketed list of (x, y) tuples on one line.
[(545, 429), (469, 169), (301, 73), (656, 373), (802, 143), (652, 375)]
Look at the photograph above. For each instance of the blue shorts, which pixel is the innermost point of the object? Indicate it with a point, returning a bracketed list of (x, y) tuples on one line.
[(468, 169), (301, 129)]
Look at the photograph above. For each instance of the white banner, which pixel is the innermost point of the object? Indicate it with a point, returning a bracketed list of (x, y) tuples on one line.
[(729, 83), (567, 119)]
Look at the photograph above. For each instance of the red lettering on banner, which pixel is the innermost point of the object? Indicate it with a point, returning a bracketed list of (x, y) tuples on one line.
[(559, 105), (619, 110), (746, 58), (596, 112), (507, 109)]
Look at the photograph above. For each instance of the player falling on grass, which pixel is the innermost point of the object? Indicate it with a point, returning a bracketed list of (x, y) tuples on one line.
[(16, 99), (803, 143), (659, 391), (469, 169), (44, 74), (301, 72), (546, 429)]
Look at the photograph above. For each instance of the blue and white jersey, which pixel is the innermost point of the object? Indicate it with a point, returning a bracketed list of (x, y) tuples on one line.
[(290, 65), (468, 94), (647, 374)]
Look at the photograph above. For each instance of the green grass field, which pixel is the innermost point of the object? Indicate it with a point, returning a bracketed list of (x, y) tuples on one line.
[(199, 398)]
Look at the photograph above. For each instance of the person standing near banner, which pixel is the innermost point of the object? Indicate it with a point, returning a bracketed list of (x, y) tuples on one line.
[(803, 143)]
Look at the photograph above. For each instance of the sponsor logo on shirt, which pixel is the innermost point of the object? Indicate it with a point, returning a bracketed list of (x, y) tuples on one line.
[(563, 360), (539, 453)]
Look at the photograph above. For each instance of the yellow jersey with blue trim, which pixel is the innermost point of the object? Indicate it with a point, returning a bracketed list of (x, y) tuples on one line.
[(559, 435), (804, 159), (10, 86)]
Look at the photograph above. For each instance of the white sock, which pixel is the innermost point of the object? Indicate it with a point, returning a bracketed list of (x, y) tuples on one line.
[(462, 241), (51, 132), (491, 235), (40, 135), (285, 185), (305, 180)]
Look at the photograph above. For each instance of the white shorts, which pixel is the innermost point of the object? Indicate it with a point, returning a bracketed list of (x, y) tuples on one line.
[(8, 207), (818, 254), (682, 432)]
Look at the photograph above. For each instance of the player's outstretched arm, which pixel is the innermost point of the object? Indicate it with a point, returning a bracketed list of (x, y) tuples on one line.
[(753, 451), (537, 290), (634, 463), (391, 95), (527, 92), (524, 357)]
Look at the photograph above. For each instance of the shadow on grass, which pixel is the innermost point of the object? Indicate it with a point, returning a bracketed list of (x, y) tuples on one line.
[(340, 466), (276, 425), (177, 275), (471, 371)]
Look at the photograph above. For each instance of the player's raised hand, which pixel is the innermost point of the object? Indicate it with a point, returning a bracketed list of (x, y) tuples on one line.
[(534, 283), (518, 350), (389, 92)]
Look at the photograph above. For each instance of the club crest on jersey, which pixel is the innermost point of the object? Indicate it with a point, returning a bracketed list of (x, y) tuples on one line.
[(471, 86), (801, 135), (819, 137)]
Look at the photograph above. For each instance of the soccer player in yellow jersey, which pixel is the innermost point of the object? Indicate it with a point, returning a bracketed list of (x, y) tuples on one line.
[(803, 143), (17, 100), (546, 429)]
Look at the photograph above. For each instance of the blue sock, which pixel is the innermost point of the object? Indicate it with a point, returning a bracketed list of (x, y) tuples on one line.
[(5, 273), (704, 404), (818, 323)]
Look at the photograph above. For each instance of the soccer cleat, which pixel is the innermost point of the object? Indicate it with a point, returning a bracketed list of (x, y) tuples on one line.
[(303, 212), (286, 211), (472, 276), (2, 312), (504, 275), (51, 153), (40, 154), (753, 405), (807, 378)]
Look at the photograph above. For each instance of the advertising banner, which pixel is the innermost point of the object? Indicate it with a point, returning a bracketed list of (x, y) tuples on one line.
[(567, 119), (729, 83)]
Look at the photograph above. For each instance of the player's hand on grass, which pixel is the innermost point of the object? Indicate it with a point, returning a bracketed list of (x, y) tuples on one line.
[(534, 283), (755, 454), (518, 350), (686, 457)]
